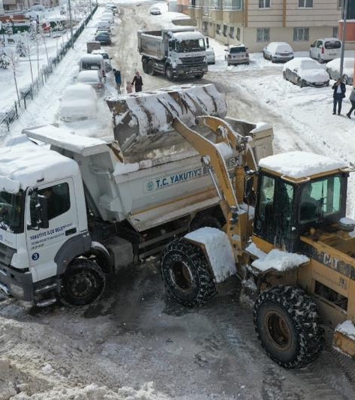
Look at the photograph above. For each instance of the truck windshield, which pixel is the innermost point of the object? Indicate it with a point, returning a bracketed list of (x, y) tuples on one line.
[(11, 211), (188, 46)]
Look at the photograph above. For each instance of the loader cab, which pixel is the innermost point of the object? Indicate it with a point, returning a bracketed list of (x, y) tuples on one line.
[(287, 209)]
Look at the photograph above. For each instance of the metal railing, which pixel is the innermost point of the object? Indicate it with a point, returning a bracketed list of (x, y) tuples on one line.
[(12, 113)]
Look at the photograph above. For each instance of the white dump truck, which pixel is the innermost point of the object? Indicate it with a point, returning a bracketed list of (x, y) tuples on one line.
[(75, 211), (175, 53)]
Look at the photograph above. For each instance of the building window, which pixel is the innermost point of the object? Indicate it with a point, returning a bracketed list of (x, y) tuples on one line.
[(300, 34), (231, 32), (232, 5), (218, 29), (340, 3), (335, 32), (204, 27), (216, 4), (238, 33), (264, 3), (225, 30), (305, 3), (263, 35)]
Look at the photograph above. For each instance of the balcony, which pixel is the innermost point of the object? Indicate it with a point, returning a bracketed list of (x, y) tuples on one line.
[(232, 16), (216, 14)]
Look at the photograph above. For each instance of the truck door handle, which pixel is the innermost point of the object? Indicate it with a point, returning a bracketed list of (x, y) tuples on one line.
[(70, 232)]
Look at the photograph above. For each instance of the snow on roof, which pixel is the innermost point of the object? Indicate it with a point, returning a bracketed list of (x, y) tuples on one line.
[(92, 58), (299, 164), (180, 36), (219, 251), (25, 164)]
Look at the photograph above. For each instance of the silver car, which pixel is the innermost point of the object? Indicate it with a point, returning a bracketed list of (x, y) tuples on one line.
[(236, 55)]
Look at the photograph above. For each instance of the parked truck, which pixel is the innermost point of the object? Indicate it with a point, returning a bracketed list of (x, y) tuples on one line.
[(288, 240), (75, 212), (175, 53)]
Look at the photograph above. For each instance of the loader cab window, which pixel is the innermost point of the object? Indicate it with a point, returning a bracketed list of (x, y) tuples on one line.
[(321, 200), (274, 214)]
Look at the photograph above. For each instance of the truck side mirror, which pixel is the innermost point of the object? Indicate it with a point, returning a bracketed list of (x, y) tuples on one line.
[(38, 211)]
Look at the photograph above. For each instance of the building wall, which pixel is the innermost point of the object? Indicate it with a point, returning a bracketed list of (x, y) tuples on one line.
[(281, 19)]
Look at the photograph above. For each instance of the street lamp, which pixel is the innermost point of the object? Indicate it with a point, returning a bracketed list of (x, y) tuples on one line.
[(344, 12), (71, 25)]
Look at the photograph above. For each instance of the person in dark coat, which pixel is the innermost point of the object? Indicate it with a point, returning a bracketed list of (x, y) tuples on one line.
[(137, 82), (118, 80), (352, 100), (339, 90)]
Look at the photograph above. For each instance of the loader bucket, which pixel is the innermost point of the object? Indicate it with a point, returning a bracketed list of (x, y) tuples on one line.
[(142, 121)]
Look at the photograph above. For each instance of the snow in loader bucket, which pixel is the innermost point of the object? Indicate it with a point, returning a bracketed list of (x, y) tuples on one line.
[(143, 120)]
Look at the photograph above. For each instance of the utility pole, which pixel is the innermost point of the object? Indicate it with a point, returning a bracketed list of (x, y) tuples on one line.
[(344, 12), (71, 25)]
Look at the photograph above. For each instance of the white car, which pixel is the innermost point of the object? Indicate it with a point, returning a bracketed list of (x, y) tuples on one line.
[(155, 11), (333, 69), (304, 71), (278, 52), (78, 102), (325, 49), (211, 58), (91, 78)]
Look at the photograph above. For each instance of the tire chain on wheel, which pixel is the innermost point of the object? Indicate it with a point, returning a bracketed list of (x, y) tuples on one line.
[(303, 311), (194, 255)]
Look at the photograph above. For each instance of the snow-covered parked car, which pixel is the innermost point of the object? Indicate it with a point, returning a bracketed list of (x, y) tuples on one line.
[(91, 78), (304, 71), (333, 69), (278, 52), (79, 102)]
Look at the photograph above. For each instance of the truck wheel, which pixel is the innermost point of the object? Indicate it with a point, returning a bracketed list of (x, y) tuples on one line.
[(151, 70), (83, 283), (199, 76), (145, 66), (287, 325), (186, 273), (169, 73)]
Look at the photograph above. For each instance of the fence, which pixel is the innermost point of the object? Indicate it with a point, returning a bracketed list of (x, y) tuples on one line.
[(28, 93)]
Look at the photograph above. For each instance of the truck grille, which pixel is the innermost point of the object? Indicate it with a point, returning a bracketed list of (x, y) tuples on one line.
[(191, 61), (6, 254)]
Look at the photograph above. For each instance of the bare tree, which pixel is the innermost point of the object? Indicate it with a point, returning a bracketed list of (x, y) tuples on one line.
[(28, 46), (14, 58)]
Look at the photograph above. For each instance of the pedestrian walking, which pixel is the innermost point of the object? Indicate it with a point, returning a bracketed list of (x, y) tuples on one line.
[(339, 90), (129, 88), (352, 100), (118, 80), (137, 82)]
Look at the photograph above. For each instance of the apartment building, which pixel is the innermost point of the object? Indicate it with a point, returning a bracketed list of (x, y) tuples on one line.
[(258, 22)]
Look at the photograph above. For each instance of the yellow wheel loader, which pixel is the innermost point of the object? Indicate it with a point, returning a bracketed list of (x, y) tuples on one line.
[(286, 236)]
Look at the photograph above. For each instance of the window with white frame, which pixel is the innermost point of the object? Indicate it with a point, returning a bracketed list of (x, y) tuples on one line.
[(335, 32), (305, 3), (218, 29), (225, 30), (238, 33), (264, 3), (263, 35), (300, 34), (216, 4), (232, 4)]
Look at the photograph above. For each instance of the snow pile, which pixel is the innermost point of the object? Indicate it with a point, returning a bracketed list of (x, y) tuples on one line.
[(279, 260), (219, 251), (347, 328)]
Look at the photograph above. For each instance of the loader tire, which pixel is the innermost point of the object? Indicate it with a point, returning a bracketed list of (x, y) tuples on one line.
[(186, 273), (287, 325), (83, 283), (169, 73), (204, 220), (151, 70)]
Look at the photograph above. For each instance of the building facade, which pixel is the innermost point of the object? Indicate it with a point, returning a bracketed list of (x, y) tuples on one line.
[(258, 22)]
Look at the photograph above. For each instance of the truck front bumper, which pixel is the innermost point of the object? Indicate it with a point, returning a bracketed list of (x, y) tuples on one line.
[(183, 70), (16, 283)]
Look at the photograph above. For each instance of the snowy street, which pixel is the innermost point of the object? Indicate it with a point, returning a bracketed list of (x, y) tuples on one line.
[(136, 343)]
